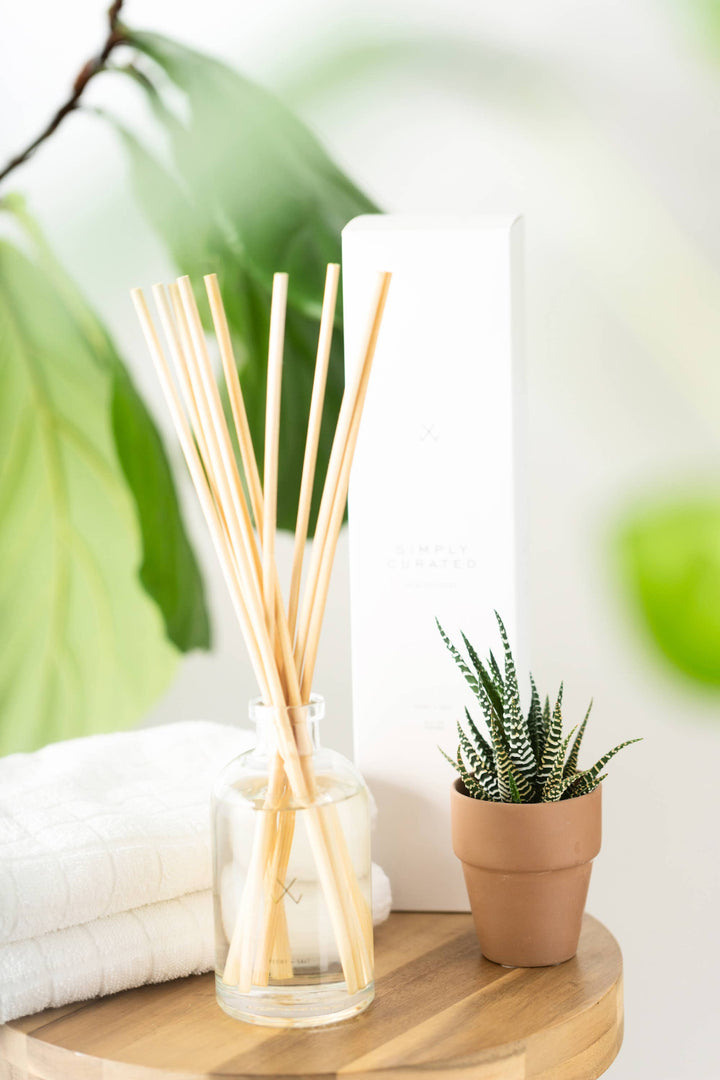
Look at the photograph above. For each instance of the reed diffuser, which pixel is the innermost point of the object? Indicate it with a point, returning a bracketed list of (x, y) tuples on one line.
[(291, 844)]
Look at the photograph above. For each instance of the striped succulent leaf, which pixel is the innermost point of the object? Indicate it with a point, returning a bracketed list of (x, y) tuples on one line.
[(479, 753), (487, 780), (590, 776), (553, 739), (579, 785), (468, 675), (483, 746), (518, 736), (514, 723), (512, 785), (535, 723), (484, 678), (476, 783), (472, 756), (496, 672), (546, 720), (502, 760), (515, 794), (571, 765), (472, 786), (553, 788)]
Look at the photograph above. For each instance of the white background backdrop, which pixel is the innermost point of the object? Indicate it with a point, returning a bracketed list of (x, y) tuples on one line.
[(601, 120)]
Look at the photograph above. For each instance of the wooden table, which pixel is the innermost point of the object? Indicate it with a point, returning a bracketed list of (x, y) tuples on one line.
[(442, 1012)]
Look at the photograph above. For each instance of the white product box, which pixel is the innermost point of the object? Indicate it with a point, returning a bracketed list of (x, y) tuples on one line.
[(433, 514)]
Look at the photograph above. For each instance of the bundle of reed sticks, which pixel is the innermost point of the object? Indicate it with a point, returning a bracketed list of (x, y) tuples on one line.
[(282, 643)]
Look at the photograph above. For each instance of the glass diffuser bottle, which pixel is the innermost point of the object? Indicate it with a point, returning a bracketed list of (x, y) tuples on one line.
[(292, 881)]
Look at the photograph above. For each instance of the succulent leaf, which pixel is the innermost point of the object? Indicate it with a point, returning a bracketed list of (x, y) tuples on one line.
[(571, 766), (515, 725), (470, 679), (502, 761), (470, 782), (497, 673), (483, 746), (590, 776), (546, 720), (553, 789), (552, 742), (535, 723), (511, 782), (488, 683)]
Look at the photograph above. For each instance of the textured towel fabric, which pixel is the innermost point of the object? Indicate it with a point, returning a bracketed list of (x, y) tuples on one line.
[(150, 944), (105, 866), (107, 823)]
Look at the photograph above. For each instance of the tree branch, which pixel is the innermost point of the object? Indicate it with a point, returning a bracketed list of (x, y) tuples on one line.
[(89, 70)]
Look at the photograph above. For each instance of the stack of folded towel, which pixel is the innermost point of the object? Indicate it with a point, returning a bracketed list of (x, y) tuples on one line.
[(105, 868)]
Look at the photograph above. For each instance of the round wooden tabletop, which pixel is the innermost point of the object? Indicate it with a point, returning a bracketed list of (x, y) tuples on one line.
[(441, 1011)]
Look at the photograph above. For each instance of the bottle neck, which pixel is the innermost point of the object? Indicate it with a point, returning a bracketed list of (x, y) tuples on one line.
[(304, 721)]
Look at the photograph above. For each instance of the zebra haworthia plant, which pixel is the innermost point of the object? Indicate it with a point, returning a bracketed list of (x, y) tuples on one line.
[(527, 757)]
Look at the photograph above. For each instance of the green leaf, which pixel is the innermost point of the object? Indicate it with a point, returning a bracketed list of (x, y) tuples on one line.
[(84, 646), (493, 689), (514, 723), (263, 196), (497, 673), (589, 776), (552, 742), (553, 787), (670, 558), (479, 739), (512, 785), (546, 719), (535, 722), (580, 785), (467, 674), (481, 763), (472, 786), (571, 763), (169, 570)]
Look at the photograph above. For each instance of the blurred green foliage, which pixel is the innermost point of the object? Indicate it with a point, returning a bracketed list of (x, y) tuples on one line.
[(86, 500), (670, 555), (101, 588), (251, 192)]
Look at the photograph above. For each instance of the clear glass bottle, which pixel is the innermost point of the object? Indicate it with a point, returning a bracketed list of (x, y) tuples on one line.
[(292, 882)]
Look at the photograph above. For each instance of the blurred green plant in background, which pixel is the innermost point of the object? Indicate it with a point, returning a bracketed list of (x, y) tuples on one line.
[(101, 590), (670, 560)]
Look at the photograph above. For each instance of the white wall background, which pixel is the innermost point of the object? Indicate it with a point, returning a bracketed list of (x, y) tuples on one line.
[(602, 121)]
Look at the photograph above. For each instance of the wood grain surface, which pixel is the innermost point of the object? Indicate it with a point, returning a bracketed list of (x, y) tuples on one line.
[(442, 1012)]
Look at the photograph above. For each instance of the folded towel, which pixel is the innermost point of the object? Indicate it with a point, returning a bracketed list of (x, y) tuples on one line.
[(107, 823), (150, 944), (105, 869)]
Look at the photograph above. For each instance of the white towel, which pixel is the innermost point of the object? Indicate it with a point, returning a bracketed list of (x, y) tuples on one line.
[(105, 868), (148, 945), (107, 823)]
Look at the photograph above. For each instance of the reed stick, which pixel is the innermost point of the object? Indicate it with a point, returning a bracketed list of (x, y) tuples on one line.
[(235, 396), (328, 543), (312, 442), (197, 474), (222, 464), (332, 492), (214, 473), (272, 442), (276, 871), (240, 528)]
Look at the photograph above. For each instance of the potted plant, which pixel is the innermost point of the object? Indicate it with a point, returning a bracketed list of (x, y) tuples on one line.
[(526, 820)]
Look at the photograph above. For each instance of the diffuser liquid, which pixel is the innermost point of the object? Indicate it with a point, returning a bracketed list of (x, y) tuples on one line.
[(301, 980)]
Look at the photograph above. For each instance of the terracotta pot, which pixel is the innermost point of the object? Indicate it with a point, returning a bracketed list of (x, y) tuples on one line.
[(527, 870)]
